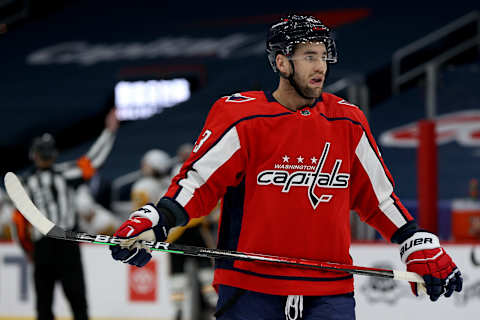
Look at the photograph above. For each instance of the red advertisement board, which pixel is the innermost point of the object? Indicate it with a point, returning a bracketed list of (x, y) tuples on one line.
[(142, 282)]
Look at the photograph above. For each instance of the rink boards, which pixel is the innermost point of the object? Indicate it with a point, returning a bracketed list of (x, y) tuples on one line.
[(118, 291)]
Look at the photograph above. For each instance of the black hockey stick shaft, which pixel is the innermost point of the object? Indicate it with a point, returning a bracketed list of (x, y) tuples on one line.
[(220, 254), (58, 233), (28, 209)]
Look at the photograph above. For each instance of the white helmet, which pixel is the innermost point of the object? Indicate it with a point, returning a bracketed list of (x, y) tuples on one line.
[(158, 160)]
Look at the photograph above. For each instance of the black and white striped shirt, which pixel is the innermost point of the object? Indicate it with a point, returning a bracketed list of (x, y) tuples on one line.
[(53, 189)]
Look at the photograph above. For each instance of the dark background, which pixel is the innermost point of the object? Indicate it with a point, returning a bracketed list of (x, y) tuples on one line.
[(70, 96)]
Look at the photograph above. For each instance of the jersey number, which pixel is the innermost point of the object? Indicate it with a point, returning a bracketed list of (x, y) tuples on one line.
[(204, 138)]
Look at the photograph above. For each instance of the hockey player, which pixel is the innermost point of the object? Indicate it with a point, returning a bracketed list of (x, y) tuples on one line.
[(155, 168), (289, 166)]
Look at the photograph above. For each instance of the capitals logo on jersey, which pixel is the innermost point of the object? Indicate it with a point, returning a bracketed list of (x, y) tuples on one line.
[(238, 97), (308, 175)]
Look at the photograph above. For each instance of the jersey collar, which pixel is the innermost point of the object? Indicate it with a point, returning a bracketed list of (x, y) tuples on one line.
[(271, 98)]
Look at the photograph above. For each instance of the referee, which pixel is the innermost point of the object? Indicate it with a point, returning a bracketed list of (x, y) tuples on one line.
[(52, 189)]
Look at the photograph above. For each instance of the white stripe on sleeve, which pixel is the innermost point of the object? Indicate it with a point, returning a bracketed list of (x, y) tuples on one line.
[(98, 144), (208, 164), (392, 212), (101, 148), (74, 172), (378, 178)]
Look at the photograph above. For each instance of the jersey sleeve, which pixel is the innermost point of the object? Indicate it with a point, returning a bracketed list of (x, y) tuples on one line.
[(373, 196), (216, 163), (86, 166)]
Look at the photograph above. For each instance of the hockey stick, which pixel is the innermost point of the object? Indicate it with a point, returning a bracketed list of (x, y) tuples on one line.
[(25, 205)]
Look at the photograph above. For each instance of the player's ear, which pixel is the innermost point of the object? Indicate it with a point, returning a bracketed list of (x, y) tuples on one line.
[(283, 65)]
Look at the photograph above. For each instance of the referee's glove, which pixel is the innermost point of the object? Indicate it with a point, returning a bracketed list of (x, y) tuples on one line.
[(423, 254), (144, 224)]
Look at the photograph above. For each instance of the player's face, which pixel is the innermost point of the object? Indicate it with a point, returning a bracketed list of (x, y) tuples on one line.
[(310, 61)]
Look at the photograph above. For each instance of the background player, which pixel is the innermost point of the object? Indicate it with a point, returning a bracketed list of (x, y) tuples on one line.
[(290, 165), (52, 188), (155, 168)]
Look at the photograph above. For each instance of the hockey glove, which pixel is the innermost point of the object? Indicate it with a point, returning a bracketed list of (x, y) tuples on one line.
[(144, 224), (422, 254)]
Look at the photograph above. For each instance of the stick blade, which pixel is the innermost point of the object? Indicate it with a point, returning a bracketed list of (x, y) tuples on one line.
[(24, 204)]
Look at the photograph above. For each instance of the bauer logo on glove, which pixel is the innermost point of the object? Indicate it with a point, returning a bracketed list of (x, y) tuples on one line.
[(423, 239), (423, 254)]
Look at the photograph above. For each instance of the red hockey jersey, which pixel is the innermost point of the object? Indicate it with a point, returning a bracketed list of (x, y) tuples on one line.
[(287, 181)]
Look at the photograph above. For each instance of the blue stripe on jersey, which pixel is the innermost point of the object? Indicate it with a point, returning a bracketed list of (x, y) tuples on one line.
[(231, 222)]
